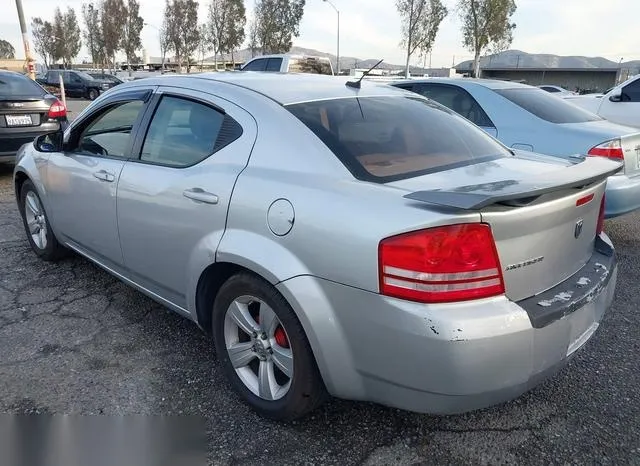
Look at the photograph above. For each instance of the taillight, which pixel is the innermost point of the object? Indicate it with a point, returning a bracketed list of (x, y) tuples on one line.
[(611, 149), (57, 110), (443, 264), (600, 227)]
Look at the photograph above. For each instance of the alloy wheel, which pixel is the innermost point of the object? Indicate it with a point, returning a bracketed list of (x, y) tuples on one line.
[(36, 220), (258, 347)]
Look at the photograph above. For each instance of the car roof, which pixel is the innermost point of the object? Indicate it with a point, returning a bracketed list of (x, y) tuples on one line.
[(463, 82), (288, 88)]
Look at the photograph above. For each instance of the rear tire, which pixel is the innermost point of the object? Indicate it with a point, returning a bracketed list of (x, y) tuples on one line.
[(93, 94), (278, 337), (36, 225)]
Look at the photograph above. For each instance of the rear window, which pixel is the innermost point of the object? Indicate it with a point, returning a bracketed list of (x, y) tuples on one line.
[(16, 84), (309, 65), (546, 106), (383, 139)]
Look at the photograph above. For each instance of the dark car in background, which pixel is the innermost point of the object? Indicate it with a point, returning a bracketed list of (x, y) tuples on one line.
[(26, 111), (110, 78), (76, 83)]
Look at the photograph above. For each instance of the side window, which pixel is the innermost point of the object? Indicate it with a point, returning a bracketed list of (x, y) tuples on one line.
[(274, 64), (550, 89), (75, 78), (458, 100), (255, 65), (631, 92), (183, 133), (110, 133)]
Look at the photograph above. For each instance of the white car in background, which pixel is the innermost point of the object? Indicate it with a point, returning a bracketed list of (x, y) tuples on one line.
[(620, 104), (289, 63)]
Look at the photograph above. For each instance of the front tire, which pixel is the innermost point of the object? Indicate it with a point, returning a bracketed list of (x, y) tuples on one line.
[(264, 351), (36, 224), (93, 94)]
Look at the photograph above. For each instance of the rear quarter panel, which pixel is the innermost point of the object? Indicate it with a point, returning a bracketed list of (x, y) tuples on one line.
[(338, 223)]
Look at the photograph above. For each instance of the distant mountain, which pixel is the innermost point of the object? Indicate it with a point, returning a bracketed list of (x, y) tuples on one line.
[(520, 59)]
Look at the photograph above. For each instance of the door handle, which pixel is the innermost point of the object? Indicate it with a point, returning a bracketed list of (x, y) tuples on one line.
[(200, 195), (104, 176)]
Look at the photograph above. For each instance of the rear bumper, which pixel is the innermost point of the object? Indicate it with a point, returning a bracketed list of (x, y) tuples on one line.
[(623, 195), (441, 359)]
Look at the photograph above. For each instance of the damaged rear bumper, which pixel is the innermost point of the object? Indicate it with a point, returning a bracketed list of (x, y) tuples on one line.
[(448, 358)]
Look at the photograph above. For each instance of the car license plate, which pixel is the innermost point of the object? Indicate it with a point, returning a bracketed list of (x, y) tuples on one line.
[(18, 120)]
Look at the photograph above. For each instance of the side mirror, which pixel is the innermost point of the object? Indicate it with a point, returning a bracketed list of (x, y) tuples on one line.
[(50, 142), (617, 97)]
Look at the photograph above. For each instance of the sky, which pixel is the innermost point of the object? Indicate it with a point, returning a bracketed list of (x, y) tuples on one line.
[(371, 28)]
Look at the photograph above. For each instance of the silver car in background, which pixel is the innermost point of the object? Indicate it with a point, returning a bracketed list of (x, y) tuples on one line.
[(528, 118), (334, 238)]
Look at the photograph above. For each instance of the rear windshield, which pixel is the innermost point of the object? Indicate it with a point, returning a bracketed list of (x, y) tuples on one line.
[(16, 84), (546, 106), (385, 139), (309, 65)]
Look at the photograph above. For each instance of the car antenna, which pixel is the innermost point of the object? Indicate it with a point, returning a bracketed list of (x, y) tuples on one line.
[(357, 84)]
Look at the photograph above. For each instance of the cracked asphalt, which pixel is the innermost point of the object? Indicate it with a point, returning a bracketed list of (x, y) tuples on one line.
[(74, 340)]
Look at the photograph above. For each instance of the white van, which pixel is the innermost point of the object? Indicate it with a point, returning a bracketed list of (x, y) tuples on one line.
[(288, 63)]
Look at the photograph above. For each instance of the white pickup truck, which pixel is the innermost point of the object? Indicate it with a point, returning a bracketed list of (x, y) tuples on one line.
[(289, 63), (620, 104)]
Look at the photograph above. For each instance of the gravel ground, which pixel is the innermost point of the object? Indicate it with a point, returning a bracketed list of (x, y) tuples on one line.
[(75, 340)]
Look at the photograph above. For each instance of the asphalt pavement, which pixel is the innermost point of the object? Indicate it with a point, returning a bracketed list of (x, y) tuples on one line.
[(74, 340)]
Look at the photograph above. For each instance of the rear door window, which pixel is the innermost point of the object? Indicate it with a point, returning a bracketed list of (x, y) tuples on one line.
[(383, 139), (183, 133), (546, 106)]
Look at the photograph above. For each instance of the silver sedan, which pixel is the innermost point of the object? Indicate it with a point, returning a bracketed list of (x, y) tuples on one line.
[(333, 237)]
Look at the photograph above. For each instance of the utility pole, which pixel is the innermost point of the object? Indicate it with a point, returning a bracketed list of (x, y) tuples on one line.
[(338, 40), (25, 41)]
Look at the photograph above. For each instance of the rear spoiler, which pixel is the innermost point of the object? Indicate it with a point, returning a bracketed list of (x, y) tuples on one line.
[(514, 192)]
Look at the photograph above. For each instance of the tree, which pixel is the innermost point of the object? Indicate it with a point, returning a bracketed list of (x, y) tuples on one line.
[(278, 21), (93, 37), (43, 40), (66, 36), (486, 25), (113, 16), (6, 49), (237, 18), (225, 27), (181, 18), (205, 44), (58, 34), (165, 40), (72, 36), (420, 23), (131, 32), (253, 36)]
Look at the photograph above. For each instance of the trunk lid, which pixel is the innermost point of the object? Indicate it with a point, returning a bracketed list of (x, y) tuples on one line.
[(26, 111), (543, 214)]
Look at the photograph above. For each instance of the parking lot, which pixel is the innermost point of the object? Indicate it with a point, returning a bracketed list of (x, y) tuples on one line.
[(75, 340)]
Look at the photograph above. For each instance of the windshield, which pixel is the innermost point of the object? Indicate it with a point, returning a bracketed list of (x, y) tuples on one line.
[(383, 139), (310, 65), (16, 84), (546, 106)]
